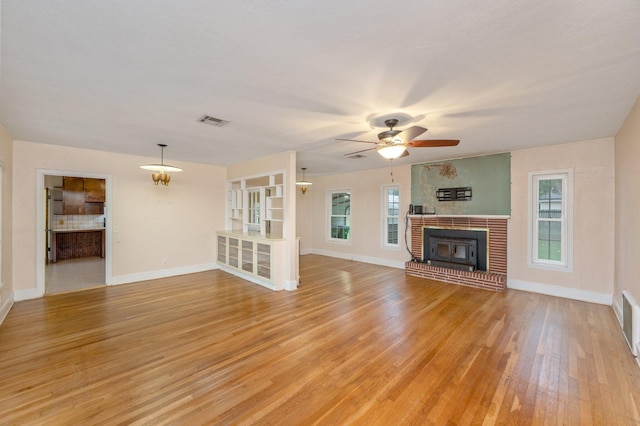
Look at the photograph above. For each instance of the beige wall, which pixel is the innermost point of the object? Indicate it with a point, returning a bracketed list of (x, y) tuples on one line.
[(366, 212), (627, 246), (593, 197), (155, 223), (6, 282), (304, 217)]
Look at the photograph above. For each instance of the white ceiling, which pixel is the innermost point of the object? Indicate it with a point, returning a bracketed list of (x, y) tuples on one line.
[(124, 75)]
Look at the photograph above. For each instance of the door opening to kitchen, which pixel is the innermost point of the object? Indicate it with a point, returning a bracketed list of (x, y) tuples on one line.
[(75, 220)]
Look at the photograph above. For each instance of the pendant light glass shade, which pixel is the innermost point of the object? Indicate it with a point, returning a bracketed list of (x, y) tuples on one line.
[(162, 177), (304, 183)]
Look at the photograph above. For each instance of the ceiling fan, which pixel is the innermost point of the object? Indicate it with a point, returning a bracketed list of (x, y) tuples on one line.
[(394, 143)]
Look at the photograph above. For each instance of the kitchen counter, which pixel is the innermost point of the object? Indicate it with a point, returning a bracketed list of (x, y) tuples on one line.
[(75, 243)]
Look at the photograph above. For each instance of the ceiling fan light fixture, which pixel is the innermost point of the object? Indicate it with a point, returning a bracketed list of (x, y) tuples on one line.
[(392, 151)]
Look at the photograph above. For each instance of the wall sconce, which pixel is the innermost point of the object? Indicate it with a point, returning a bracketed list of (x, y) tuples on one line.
[(162, 176), (304, 183)]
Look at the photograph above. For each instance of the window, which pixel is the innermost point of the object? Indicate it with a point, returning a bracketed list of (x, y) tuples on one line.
[(550, 225), (390, 215), (339, 203)]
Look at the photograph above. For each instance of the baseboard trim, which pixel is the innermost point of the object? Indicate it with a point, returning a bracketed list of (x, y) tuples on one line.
[(617, 309), (162, 273), (399, 264), (6, 307), (565, 292), (247, 277), (291, 285), (26, 294)]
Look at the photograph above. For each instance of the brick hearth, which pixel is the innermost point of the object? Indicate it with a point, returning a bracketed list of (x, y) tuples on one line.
[(495, 278)]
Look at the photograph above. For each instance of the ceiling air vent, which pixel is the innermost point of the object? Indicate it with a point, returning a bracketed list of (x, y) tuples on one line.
[(213, 121)]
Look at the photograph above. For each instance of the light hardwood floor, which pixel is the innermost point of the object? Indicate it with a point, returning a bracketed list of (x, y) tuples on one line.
[(356, 344)]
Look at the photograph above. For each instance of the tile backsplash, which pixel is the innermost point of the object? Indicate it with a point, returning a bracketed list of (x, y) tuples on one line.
[(79, 221)]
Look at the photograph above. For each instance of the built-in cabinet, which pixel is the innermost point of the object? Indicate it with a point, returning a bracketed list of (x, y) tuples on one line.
[(253, 245), (256, 205), (253, 256)]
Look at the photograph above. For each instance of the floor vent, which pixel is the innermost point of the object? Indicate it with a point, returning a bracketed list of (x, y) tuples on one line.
[(631, 321), (213, 121)]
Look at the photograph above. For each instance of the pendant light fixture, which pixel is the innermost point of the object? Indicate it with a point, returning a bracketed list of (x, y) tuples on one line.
[(304, 183), (162, 176)]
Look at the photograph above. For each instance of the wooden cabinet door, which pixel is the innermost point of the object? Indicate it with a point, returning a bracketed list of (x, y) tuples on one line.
[(73, 195), (94, 190)]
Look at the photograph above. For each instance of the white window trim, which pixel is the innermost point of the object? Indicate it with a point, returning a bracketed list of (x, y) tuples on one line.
[(566, 265), (386, 245), (328, 201)]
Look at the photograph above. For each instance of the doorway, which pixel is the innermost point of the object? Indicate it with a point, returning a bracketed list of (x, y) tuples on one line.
[(74, 245)]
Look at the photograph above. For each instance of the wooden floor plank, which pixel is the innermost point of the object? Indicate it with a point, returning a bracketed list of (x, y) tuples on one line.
[(355, 344)]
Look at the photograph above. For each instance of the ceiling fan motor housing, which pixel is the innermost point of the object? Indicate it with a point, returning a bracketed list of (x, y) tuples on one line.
[(388, 136)]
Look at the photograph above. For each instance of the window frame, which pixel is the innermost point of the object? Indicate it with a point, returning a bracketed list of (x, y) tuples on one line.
[(385, 217), (330, 215), (565, 264)]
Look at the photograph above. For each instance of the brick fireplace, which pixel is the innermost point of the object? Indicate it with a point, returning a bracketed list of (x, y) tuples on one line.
[(495, 275)]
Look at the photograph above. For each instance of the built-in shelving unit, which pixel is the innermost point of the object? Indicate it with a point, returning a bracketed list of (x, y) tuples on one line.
[(253, 257), (253, 244), (256, 204)]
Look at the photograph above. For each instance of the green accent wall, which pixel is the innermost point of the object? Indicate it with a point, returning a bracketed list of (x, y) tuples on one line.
[(488, 176)]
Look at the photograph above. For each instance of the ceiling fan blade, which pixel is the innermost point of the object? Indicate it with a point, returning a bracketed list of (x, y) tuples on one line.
[(358, 152), (404, 154), (355, 140), (433, 143), (410, 133)]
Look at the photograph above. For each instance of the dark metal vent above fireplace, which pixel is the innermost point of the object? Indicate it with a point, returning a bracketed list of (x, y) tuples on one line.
[(462, 249)]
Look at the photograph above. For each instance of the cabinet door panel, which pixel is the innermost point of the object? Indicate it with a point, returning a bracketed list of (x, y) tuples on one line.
[(73, 195), (94, 190), (93, 208)]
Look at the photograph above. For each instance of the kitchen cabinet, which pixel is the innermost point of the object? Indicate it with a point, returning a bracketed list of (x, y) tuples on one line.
[(94, 190), (72, 195), (71, 244), (83, 195)]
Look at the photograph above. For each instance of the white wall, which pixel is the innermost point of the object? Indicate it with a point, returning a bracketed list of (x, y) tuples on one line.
[(593, 242), (627, 231), (155, 223), (366, 215)]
